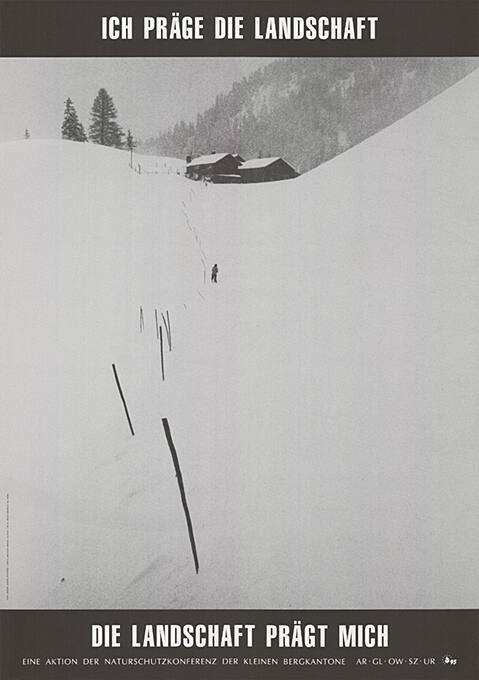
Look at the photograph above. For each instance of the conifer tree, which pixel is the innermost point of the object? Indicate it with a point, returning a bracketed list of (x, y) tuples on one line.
[(27, 133), (71, 127), (130, 142), (130, 145), (103, 128)]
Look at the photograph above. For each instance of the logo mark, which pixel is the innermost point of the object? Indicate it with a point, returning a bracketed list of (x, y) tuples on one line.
[(449, 660)]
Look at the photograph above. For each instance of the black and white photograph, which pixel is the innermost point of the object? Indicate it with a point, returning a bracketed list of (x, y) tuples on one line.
[(240, 341), (239, 356)]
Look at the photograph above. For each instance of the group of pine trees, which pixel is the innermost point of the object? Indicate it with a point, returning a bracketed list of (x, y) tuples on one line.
[(103, 128)]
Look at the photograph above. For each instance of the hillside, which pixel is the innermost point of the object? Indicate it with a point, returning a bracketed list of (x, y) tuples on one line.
[(309, 110), (322, 397)]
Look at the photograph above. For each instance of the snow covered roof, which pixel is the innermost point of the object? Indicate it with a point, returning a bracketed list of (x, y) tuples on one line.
[(208, 160), (259, 163)]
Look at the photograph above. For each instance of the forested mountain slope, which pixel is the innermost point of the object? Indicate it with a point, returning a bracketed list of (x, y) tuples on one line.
[(308, 110)]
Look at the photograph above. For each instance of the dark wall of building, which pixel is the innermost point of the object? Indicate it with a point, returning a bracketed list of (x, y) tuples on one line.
[(271, 173), (226, 179), (225, 166)]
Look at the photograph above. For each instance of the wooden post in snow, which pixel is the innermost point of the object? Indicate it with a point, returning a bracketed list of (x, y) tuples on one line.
[(117, 380), (166, 321), (181, 486), (161, 355)]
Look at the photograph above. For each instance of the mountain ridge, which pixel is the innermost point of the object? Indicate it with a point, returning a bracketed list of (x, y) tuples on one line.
[(309, 110)]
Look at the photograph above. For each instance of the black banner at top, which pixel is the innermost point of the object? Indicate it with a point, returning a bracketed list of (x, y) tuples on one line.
[(69, 28)]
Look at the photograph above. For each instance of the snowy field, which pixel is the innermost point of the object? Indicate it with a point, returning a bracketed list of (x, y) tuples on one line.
[(322, 397)]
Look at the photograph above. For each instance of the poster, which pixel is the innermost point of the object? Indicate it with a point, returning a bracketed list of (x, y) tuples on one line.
[(239, 351)]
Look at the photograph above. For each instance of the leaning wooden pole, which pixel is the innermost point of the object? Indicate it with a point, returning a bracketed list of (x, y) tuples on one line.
[(161, 355), (181, 486), (117, 380), (167, 328)]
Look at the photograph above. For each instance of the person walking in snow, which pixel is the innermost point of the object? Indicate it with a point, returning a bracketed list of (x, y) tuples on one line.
[(214, 274)]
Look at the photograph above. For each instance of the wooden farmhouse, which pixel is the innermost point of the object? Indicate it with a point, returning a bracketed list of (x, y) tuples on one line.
[(266, 170), (212, 166), (227, 168)]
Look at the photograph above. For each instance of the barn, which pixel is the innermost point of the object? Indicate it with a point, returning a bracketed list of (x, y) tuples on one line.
[(213, 165), (266, 170)]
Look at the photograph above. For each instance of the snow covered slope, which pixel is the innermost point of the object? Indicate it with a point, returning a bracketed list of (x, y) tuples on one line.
[(322, 397)]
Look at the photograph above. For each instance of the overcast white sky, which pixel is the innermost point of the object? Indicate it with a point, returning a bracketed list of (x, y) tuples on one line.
[(150, 93)]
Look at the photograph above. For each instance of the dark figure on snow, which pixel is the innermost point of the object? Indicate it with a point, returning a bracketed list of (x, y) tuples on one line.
[(214, 274)]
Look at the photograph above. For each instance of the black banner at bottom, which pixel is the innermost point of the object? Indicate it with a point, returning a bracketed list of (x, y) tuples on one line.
[(239, 644)]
